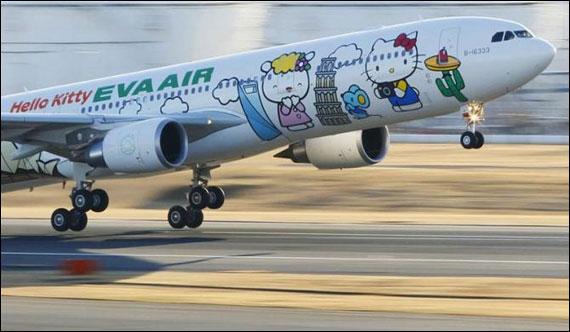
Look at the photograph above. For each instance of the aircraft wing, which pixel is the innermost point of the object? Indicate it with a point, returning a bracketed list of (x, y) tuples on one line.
[(47, 131)]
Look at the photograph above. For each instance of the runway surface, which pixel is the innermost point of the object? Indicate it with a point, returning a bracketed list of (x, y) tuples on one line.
[(30, 249), (123, 245), (81, 315)]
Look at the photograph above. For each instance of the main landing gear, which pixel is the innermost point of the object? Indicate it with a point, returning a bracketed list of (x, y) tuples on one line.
[(83, 199), (473, 115), (199, 197)]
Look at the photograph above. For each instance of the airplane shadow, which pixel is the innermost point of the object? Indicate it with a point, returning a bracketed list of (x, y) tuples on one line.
[(42, 267)]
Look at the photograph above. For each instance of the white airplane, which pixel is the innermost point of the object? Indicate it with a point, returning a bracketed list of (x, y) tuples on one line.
[(329, 100)]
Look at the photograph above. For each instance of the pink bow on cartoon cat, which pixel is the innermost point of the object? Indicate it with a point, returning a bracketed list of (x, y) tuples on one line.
[(405, 42)]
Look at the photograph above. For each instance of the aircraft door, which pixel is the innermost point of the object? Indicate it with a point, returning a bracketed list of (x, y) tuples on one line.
[(449, 39)]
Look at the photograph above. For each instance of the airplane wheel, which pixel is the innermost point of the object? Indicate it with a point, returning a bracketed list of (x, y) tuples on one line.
[(82, 200), (177, 217), (199, 197), (195, 218), (480, 140), (100, 200), (217, 197), (78, 221), (60, 220), (468, 140)]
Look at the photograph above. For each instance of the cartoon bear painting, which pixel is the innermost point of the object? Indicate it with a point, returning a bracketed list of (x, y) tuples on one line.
[(286, 83), (389, 65)]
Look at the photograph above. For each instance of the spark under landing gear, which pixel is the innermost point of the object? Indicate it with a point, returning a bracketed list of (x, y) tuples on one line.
[(201, 196), (474, 114), (83, 199)]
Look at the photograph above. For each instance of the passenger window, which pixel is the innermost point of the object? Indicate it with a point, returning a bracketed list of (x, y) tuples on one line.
[(523, 34), (498, 37), (509, 35)]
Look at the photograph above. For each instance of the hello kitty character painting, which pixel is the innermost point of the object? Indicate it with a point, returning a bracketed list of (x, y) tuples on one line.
[(389, 65), (286, 83)]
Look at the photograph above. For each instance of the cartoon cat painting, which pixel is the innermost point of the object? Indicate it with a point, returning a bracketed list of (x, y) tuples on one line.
[(389, 65), (286, 83)]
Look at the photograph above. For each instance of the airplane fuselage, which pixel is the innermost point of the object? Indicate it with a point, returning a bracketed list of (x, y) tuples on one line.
[(317, 88)]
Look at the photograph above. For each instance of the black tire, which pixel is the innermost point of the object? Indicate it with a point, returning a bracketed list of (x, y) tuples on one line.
[(194, 218), (199, 197), (217, 197), (468, 140), (78, 221), (82, 200), (100, 200), (177, 216), (60, 220), (480, 140)]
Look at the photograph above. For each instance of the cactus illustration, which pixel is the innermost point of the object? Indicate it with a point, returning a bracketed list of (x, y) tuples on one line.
[(454, 85)]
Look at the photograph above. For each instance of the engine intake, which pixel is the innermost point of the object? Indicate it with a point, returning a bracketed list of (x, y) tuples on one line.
[(145, 146), (346, 150)]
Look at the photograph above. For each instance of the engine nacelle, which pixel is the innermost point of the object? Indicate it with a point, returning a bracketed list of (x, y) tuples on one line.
[(346, 150), (144, 146)]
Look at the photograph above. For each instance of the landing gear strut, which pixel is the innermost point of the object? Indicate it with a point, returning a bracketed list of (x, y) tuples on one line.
[(199, 197), (83, 199), (473, 115)]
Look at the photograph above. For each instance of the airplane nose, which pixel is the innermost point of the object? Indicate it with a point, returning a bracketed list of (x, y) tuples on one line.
[(551, 51), (546, 53)]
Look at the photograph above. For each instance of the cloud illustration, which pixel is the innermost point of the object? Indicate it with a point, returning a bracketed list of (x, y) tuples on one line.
[(346, 55), (130, 107), (174, 105), (226, 91)]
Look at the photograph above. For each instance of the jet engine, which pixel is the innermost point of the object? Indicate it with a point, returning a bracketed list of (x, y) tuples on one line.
[(144, 146), (346, 150)]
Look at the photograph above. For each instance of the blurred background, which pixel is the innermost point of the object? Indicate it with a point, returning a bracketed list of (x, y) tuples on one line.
[(51, 43), (435, 237)]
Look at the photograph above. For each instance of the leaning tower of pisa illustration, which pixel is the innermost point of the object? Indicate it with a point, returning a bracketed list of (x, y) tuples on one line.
[(329, 109)]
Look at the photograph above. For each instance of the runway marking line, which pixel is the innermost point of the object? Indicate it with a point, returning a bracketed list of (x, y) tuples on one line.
[(481, 296), (298, 258)]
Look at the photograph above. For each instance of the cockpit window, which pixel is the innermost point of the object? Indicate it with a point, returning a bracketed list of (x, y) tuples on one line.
[(498, 37), (523, 34), (509, 35)]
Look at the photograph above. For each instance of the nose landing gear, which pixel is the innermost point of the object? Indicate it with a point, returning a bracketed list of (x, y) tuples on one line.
[(201, 196), (474, 114)]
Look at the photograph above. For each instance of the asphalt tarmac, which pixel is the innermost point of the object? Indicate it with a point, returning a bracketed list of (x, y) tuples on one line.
[(97, 315), (30, 246), (126, 245)]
